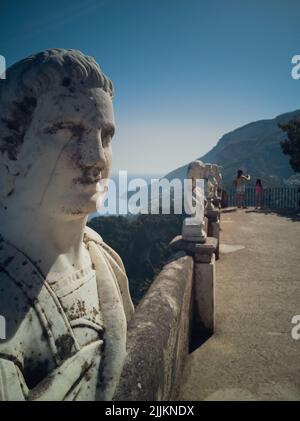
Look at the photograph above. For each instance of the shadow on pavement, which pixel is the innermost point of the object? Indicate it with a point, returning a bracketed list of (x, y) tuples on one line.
[(292, 214)]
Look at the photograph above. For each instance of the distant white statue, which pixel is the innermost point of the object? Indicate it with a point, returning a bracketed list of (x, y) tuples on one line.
[(216, 179), (193, 228), (209, 186), (217, 174), (213, 183), (64, 292)]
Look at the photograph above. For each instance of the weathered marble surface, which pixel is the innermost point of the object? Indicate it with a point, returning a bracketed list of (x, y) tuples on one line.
[(214, 177), (64, 292), (193, 226)]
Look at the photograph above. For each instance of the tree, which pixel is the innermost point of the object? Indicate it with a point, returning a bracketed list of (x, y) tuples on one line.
[(142, 242), (291, 145)]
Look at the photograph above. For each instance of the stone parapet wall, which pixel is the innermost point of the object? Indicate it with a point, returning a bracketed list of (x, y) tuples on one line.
[(158, 335)]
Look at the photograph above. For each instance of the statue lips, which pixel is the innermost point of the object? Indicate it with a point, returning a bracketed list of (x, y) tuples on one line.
[(95, 180), (89, 176), (88, 183)]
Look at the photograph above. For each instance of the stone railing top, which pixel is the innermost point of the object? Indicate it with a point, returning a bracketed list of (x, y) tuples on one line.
[(158, 335), (201, 252)]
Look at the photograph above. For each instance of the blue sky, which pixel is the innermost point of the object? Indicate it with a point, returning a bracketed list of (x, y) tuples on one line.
[(185, 71)]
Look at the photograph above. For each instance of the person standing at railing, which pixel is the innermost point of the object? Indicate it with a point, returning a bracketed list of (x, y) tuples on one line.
[(240, 185), (258, 193)]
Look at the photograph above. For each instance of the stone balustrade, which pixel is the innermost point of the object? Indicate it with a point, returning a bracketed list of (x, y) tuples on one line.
[(178, 307), (180, 301), (158, 335)]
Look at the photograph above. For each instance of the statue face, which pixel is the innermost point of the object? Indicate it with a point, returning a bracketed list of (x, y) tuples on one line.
[(208, 170), (66, 151), (197, 170), (216, 171)]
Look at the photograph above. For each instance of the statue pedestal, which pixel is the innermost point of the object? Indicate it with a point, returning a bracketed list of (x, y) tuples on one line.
[(213, 229), (204, 275), (212, 214), (217, 202), (192, 232)]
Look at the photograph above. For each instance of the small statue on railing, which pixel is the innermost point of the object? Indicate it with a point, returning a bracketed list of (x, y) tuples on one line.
[(193, 226), (210, 186), (217, 179), (213, 178)]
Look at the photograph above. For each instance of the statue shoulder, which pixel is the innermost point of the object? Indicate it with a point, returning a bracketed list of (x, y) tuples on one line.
[(20, 323), (91, 235), (115, 263)]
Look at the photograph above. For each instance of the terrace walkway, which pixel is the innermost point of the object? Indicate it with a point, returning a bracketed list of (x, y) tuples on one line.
[(252, 355)]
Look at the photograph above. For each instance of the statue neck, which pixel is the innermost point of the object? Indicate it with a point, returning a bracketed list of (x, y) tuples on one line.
[(53, 244)]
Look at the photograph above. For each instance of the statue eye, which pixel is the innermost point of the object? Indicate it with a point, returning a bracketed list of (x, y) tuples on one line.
[(59, 127)]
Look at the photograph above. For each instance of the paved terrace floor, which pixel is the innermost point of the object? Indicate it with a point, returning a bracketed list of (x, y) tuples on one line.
[(252, 355)]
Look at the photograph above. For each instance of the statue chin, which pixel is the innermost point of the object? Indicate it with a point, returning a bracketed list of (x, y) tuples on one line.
[(78, 209), (83, 207), (88, 204)]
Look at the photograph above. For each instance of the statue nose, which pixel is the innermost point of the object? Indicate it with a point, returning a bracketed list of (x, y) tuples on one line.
[(93, 155)]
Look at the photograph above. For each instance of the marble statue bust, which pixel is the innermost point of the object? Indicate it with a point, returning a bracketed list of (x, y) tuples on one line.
[(64, 292), (214, 178), (216, 173), (193, 228)]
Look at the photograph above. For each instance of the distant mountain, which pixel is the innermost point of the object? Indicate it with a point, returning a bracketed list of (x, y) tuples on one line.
[(255, 148)]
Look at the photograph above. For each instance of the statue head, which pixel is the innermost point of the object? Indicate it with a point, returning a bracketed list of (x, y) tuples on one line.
[(196, 170), (216, 171), (55, 133), (208, 170)]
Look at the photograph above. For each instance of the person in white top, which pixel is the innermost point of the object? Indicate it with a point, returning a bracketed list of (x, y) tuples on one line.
[(240, 185)]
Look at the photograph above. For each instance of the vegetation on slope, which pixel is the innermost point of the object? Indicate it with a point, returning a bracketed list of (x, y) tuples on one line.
[(142, 242)]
